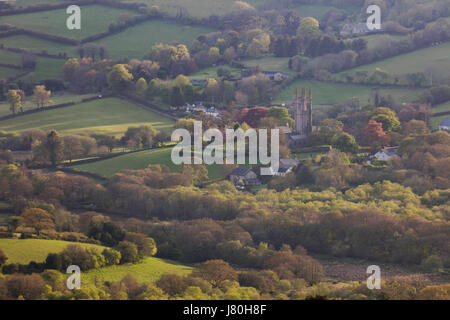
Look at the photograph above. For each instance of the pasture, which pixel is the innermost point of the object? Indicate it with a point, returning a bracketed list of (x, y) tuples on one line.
[(25, 250), (416, 61), (5, 72), (110, 116), (55, 98), (327, 93), (269, 64), (316, 11), (375, 39), (46, 68), (149, 271), (141, 160), (136, 41), (10, 57), (94, 19), (197, 8), (212, 72), (37, 45), (435, 121)]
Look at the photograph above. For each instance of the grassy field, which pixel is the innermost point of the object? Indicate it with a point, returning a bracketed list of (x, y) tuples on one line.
[(315, 11), (10, 57), (435, 121), (374, 39), (442, 107), (5, 73), (136, 41), (25, 250), (269, 64), (46, 68), (416, 61), (56, 99), (37, 45), (94, 19), (326, 93), (141, 160), (149, 271), (106, 116), (197, 8), (212, 72)]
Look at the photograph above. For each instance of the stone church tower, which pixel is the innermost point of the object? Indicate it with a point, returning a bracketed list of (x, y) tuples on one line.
[(301, 108)]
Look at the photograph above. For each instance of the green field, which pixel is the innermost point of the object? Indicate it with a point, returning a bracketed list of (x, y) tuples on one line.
[(416, 61), (56, 99), (5, 73), (25, 250), (196, 8), (315, 11), (141, 160), (211, 72), (375, 39), (46, 68), (327, 93), (37, 45), (435, 121), (10, 57), (136, 41), (94, 19), (269, 64), (149, 271), (26, 3), (105, 116), (441, 107)]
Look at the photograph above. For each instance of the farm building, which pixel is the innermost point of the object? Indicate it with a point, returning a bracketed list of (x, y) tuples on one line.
[(445, 124), (244, 177)]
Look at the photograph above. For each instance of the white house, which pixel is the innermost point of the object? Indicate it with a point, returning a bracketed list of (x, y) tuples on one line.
[(386, 154), (445, 124)]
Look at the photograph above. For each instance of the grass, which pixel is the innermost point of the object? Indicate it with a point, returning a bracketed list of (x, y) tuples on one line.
[(10, 57), (441, 107), (94, 19), (137, 41), (149, 271), (375, 39), (416, 61), (141, 160), (197, 8), (37, 45), (110, 116), (5, 73), (211, 72), (46, 68), (315, 11), (56, 98), (269, 64), (25, 250), (327, 93), (435, 121)]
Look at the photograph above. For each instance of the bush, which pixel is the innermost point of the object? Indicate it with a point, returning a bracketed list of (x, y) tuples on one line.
[(432, 264)]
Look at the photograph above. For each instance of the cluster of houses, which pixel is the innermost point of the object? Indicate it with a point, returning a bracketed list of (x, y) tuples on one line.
[(200, 108), (242, 177)]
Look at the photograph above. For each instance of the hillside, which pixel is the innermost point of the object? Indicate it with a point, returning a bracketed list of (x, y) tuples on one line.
[(25, 250), (108, 116), (148, 271)]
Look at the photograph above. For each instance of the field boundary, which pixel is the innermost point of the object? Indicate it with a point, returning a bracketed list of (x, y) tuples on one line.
[(53, 107), (146, 105)]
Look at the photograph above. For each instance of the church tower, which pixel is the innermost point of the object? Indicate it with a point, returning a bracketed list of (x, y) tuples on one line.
[(301, 107)]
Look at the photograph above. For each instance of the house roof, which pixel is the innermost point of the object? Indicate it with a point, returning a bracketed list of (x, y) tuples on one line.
[(288, 163), (240, 171), (445, 122), (391, 151)]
